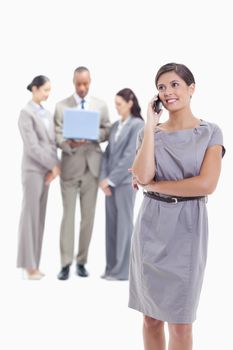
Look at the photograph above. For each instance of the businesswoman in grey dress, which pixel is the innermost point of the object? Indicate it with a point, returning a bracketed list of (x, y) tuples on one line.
[(178, 165), (116, 184), (40, 166)]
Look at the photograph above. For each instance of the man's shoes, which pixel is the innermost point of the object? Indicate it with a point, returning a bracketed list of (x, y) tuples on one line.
[(81, 270), (64, 273)]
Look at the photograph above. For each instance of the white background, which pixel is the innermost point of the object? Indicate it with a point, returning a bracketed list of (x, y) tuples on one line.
[(123, 43)]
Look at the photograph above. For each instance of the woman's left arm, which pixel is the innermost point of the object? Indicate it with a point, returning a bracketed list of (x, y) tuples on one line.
[(201, 185)]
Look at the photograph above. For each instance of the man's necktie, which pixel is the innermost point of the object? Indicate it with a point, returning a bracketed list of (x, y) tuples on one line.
[(82, 103)]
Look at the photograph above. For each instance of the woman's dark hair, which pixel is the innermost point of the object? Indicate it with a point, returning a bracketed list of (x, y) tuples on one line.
[(129, 95), (180, 69), (38, 81)]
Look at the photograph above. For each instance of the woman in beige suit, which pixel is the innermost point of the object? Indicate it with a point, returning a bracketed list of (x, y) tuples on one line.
[(40, 166)]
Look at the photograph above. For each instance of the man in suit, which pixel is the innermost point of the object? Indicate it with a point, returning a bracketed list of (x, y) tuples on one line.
[(80, 167)]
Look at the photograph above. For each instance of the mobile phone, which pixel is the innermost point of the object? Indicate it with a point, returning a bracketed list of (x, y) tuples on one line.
[(157, 105)]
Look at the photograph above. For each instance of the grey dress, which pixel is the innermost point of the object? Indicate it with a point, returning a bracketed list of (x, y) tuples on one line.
[(169, 244)]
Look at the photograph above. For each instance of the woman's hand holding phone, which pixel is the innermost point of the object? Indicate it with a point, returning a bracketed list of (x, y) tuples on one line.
[(154, 111)]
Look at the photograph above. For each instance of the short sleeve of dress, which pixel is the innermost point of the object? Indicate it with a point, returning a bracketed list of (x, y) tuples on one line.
[(139, 139), (217, 138)]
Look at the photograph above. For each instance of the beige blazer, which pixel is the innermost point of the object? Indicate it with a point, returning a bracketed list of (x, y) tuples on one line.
[(39, 147), (74, 161)]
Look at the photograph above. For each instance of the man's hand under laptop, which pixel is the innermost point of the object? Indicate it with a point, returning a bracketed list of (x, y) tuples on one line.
[(77, 143)]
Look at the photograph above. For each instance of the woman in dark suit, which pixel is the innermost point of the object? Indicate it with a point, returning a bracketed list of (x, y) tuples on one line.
[(115, 181), (40, 166)]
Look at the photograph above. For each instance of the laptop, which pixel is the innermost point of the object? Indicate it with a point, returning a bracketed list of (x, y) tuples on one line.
[(81, 124)]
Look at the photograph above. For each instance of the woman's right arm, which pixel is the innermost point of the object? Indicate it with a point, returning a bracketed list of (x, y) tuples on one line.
[(143, 168)]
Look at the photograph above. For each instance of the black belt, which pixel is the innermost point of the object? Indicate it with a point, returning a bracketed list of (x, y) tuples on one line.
[(170, 199)]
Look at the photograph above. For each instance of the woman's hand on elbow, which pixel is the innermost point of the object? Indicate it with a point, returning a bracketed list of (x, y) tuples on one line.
[(136, 181), (150, 186)]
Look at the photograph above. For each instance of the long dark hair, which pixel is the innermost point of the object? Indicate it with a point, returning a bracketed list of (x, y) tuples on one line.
[(180, 69), (128, 95), (38, 81)]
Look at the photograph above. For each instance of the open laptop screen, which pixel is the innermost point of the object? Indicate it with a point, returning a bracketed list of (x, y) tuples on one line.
[(81, 124)]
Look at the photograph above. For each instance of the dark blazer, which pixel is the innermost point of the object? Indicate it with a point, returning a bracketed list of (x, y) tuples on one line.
[(119, 155)]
